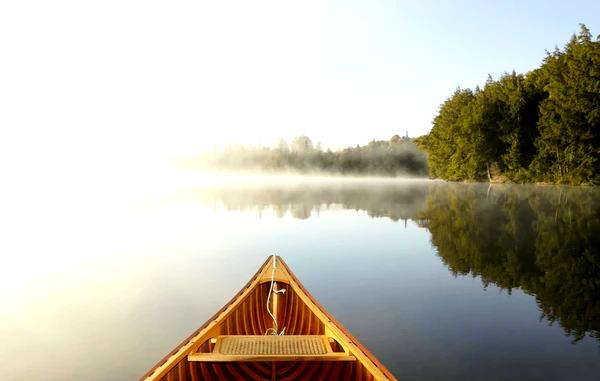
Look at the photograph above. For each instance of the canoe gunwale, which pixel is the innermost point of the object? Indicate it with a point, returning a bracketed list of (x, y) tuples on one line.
[(352, 339), (206, 324)]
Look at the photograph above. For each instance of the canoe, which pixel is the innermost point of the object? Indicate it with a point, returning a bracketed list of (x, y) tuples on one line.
[(273, 329)]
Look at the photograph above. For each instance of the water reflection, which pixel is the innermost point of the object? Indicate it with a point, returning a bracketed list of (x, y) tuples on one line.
[(133, 280), (543, 240), (399, 201)]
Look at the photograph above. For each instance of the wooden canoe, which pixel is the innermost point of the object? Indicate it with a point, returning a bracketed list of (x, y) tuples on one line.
[(232, 345)]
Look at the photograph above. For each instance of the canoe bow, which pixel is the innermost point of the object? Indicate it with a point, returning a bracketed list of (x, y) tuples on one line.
[(231, 344)]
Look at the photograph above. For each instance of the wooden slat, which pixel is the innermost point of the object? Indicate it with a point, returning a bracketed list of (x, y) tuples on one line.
[(218, 357)]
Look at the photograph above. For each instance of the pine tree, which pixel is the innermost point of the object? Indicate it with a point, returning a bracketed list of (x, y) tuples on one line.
[(568, 145)]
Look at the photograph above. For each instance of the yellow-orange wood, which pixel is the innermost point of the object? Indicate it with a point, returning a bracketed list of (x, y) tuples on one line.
[(246, 314)]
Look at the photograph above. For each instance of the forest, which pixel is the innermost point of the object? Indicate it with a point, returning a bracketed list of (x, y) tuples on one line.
[(398, 156), (540, 127)]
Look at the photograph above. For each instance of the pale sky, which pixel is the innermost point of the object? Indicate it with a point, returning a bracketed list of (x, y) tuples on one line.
[(108, 80), (95, 95)]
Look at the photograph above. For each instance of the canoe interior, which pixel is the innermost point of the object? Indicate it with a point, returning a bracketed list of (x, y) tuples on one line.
[(252, 318)]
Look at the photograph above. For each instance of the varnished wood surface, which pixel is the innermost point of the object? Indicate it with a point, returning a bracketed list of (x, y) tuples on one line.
[(246, 314), (218, 357), (263, 371)]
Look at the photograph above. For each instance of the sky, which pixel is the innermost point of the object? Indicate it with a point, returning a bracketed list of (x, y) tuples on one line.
[(97, 98), (109, 82)]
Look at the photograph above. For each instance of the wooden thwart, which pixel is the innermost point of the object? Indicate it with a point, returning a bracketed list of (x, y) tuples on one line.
[(272, 348)]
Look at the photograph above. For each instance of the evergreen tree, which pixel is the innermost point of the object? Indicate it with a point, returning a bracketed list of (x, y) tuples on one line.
[(445, 154), (569, 145), (542, 126)]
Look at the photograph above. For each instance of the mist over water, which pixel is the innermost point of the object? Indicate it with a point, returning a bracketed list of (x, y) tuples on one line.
[(398, 156), (439, 281)]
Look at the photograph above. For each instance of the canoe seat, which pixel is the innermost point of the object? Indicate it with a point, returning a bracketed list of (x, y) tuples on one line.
[(272, 348)]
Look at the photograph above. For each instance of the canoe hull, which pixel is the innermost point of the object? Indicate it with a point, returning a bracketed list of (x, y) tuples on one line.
[(246, 314)]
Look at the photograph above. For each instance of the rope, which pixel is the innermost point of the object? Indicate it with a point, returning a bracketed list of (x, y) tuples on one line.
[(275, 328)]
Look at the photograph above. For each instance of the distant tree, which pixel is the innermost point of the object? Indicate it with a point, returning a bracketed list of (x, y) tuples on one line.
[(302, 144), (283, 146), (377, 158)]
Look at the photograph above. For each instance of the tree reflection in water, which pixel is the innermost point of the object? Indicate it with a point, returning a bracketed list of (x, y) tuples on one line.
[(544, 240)]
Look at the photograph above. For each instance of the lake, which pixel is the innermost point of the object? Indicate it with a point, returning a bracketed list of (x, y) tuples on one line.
[(440, 281)]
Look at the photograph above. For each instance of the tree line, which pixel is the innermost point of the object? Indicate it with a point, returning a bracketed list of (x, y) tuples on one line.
[(397, 156), (541, 126)]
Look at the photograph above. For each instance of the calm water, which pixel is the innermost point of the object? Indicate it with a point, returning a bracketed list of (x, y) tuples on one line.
[(440, 281)]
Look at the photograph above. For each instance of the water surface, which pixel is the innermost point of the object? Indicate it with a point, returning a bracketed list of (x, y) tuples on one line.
[(439, 281)]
